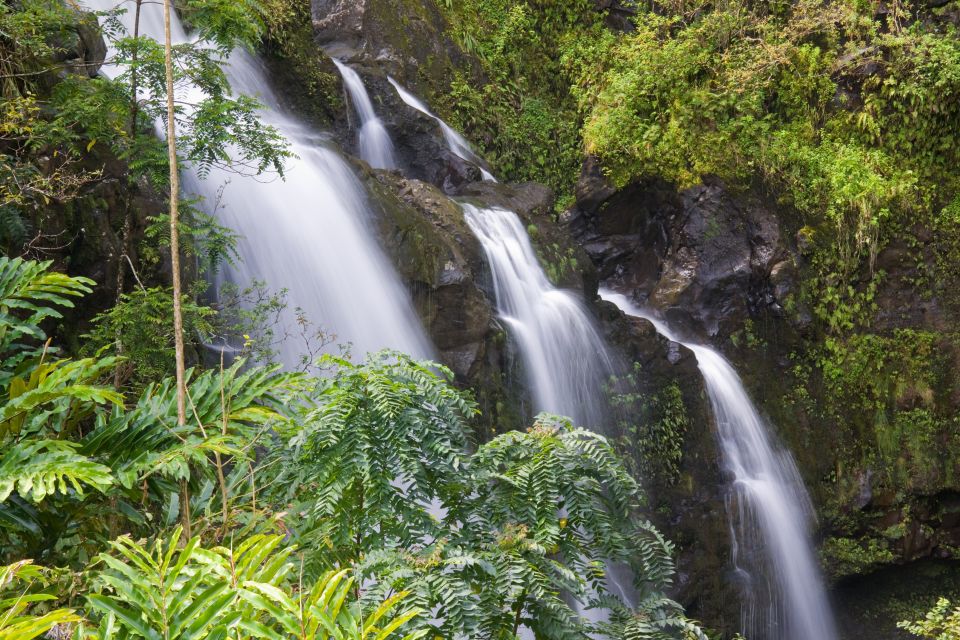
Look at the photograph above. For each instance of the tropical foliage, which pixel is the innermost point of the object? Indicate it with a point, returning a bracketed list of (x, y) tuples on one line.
[(367, 469), (942, 622)]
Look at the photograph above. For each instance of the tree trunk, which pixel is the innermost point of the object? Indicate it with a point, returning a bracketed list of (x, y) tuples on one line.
[(175, 250), (174, 221)]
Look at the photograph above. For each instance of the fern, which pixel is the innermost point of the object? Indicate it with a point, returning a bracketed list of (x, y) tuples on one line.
[(51, 396), (228, 411), (29, 291), (376, 443), (14, 229)]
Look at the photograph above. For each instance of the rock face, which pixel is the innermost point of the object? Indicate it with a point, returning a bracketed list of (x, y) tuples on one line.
[(420, 149), (705, 258), (407, 38), (84, 237), (442, 263), (688, 504), (340, 20), (82, 48), (730, 269)]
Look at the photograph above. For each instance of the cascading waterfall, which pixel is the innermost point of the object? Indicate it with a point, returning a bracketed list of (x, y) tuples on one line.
[(769, 509), (457, 144), (565, 359), (376, 148), (308, 233)]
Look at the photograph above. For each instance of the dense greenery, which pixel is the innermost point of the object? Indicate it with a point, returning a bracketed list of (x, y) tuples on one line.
[(852, 116), (942, 622), (160, 527), (847, 114), (356, 504), (368, 469), (522, 114), (844, 117)]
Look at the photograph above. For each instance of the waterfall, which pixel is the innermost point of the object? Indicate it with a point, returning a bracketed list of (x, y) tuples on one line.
[(376, 148), (457, 144), (564, 358), (769, 510), (309, 233)]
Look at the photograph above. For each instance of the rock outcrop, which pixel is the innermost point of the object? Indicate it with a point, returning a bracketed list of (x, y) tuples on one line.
[(708, 260)]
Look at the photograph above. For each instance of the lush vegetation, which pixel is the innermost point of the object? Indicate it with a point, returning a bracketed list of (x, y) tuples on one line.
[(847, 113), (522, 112), (844, 116), (349, 505), (355, 504), (942, 622), (367, 470)]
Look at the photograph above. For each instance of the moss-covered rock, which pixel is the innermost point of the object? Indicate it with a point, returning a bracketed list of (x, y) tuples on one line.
[(407, 38), (665, 391), (442, 264), (868, 409)]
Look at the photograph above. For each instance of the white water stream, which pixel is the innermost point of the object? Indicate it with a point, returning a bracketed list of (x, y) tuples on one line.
[(376, 148), (308, 233), (769, 509), (457, 144), (564, 358)]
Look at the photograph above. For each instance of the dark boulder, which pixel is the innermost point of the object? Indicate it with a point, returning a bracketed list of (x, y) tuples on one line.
[(407, 38), (689, 507), (81, 48), (703, 256)]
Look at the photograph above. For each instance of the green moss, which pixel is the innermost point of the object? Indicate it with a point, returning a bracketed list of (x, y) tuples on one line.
[(652, 428), (558, 262), (289, 40), (847, 556)]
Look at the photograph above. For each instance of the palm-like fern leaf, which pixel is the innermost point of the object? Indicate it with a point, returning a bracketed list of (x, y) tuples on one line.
[(29, 293), (165, 591), (38, 468)]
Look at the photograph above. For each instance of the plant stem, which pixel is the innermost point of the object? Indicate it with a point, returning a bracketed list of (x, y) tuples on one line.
[(174, 220), (175, 250)]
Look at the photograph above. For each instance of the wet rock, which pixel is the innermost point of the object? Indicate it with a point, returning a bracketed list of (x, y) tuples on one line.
[(618, 13), (407, 38), (564, 261), (703, 257), (82, 48), (899, 261), (527, 200), (691, 509), (420, 148), (338, 20), (593, 188), (442, 264)]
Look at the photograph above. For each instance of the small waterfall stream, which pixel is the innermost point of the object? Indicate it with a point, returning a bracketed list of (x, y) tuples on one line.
[(457, 144), (308, 233), (770, 512), (565, 359), (376, 148)]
